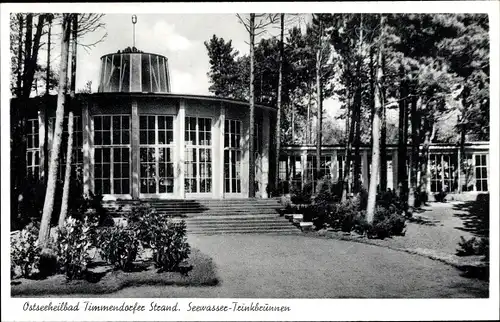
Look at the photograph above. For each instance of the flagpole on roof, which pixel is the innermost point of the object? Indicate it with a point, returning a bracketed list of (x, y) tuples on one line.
[(134, 21)]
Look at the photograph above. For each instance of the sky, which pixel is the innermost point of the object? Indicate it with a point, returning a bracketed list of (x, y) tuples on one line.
[(179, 37)]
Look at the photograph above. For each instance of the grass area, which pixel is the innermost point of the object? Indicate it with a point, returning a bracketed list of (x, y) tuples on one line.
[(202, 274)]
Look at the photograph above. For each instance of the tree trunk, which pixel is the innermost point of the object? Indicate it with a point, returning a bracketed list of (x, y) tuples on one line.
[(348, 147), (251, 165), (48, 206), (357, 114), (20, 56), (47, 77), (402, 136), (308, 121), (47, 93), (69, 150), (28, 45), (372, 192), (278, 121), (462, 131), (429, 135), (357, 143), (319, 95), (19, 168), (31, 52), (383, 137), (415, 145)]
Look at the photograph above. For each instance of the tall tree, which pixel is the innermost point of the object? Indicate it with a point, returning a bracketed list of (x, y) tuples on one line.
[(20, 55), (402, 137), (319, 98), (69, 151), (31, 51), (414, 156), (383, 132), (50, 17), (254, 29), (375, 166), (224, 75), (48, 206), (280, 83)]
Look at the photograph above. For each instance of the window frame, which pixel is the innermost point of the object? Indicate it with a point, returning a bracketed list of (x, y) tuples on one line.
[(198, 145), (33, 151), (233, 151), (157, 146), (112, 146)]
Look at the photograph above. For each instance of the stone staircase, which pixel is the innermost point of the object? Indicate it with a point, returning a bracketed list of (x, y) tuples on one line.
[(221, 216)]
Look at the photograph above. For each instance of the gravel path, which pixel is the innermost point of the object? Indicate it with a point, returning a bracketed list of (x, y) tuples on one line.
[(296, 266), (439, 230)]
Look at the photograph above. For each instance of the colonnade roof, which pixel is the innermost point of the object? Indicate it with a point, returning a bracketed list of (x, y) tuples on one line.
[(435, 146), (51, 99)]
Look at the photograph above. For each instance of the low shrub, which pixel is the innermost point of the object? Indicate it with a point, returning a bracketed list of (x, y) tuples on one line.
[(27, 203), (48, 262), (119, 247), (390, 201), (341, 215), (170, 247), (25, 252), (386, 223), (166, 238), (473, 246), (325, 191), (304, 195), (74, 241), (362, 198)]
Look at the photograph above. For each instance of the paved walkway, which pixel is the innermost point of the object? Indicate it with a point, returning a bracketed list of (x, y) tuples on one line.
[(296, 266), (438, 229)]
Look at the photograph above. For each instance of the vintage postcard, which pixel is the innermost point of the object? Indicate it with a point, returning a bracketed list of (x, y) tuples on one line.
[(250, 161)]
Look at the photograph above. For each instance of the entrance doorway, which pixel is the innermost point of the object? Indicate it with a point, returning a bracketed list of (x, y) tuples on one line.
[(198, 155)]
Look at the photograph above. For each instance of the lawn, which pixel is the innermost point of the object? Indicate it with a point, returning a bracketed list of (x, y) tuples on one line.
[(203, 273)]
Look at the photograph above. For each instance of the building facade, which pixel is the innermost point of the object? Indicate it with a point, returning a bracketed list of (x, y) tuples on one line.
[(444, 171), (134, 139)]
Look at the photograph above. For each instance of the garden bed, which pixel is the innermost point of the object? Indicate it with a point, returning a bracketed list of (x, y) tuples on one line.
[(102, 280)]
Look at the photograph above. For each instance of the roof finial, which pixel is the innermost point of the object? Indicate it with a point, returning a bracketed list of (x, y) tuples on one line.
[(134, 21)]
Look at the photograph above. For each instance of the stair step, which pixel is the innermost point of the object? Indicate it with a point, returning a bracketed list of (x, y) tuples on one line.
[(259, 218), (239, 230), (238, 225), (228, 216), (291, 232)]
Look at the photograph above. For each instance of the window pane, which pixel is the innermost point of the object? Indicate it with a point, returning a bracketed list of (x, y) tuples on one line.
[(143, 122), (146, 77), (106, 124), (125, 186), (136, 73), (154, 73), (126, 137), (151, 137), (161, 138), (162, 74), (116, 136), (125, 78)]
